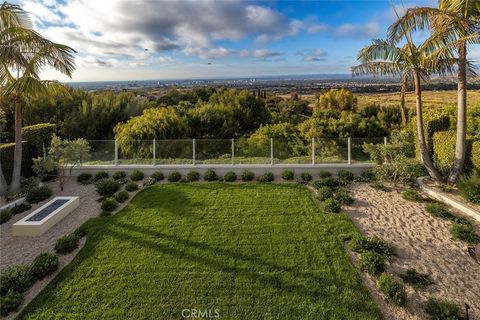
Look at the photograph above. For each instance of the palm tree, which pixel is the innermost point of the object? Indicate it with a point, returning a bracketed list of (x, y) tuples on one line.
[(23, 53), (455, 25), (369, 65)]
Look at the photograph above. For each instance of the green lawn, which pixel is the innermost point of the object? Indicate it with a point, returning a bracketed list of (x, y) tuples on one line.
[(250, 251)]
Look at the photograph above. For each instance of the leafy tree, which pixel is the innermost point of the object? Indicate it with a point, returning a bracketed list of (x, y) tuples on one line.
[(288, 110), (337, 99)]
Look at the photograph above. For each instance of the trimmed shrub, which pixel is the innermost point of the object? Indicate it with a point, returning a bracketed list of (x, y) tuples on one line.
[(469, 188), (332, 205), (100, 175), (416, 279), (122, 196), (402, 170), (38, 136), (324, 174), (193, 176), (16, 278), (345, 175), (437, 210), (248, 175), (439, 309), (266, 177), (324, 192), (5, 215), (43, 265), (343, 197), (10, 302), (131, 186), (119, 175), (230, 176), (109, 204), (149, 182), (38, 194), (392, 289), (137, 175), (107, 187), (411, 195), (306, 177), (287, 175), (444, 150), (7, 155), (464, 232), (371, 262), (210, 175), (84, 178), (325, 182), (174, 176), (158, 176), (67, 243)]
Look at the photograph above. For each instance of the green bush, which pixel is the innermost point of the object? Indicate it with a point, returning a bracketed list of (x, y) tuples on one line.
[(248, 175), (5, 215), (122, 196), (131, 186), (174, 176), (438, 309), (7, 157), (193, 176), (119, 175), (437, 210), (373, 244), (43, 265), (157, 175), (371, 262), (325, 182), (345, 175), (10, 302), (469, 188), (416, 279), (210, 175), (16, 278), (444, 150), (266, 177), (38, 136), (411, 195), (109, 204), (380, 186), (84, 178), (367, 175), (305, 177), (19, 208), (107, 187), (394, 290), (38, 194), (230, 176), (149, 182), (402, 170), (464, 232), (343, 197), (358, 243), (100, 175), (324, 174), (331, 205), (324, 192), (287, 175), (137, 175), (67, 243), (81, 231)]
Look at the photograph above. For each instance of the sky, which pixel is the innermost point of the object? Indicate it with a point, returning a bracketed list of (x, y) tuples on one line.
[(153, 39)]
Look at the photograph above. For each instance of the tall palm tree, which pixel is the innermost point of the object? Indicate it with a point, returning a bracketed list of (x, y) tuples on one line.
[(455, 25), (23, 54), (397, 66)]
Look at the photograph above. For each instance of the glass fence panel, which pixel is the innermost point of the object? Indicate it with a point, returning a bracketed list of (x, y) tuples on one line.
[(331, 150), (174, 151), (249, 152), (358, 152), (213, 151), (135, 152), (292, 151), (102, 152)]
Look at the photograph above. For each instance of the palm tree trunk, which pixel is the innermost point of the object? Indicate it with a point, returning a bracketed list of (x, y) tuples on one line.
[(17, 156), (402, 104), (460, 144), (427, 162)]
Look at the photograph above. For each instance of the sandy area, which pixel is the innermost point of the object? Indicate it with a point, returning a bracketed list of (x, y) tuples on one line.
[(421, 242)]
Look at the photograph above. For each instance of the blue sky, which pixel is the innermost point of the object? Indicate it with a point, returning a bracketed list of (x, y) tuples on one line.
[(190, 39)]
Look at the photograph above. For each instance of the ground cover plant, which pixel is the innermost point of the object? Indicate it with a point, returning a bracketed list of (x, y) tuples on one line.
[(249, 250)]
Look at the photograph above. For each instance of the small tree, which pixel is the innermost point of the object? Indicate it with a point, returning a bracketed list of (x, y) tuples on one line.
[(337, 99), (62, 155)]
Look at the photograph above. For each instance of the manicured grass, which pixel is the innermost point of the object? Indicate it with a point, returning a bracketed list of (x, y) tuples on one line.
[(250, 251)]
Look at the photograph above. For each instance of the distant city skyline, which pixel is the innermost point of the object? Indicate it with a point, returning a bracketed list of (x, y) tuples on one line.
[(147, 39)]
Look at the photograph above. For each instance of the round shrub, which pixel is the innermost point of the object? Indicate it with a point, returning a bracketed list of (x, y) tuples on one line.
[(343, 197), (43, 265), (464, 232), (67, 243), (469, 188), (324, 193), (149, 182), (121, 196), (174, 176), (100, 175), (119, 175), (5, 215), (305, 177), (411, 195), (38, 194), (371, 262), (345, 175), (392, 289), (137, 175), (210, 175), (287, 175), (193, 176), (331, 205), (131, 186), (107, 187), (442, 310), (230, 176), (158, 176), (248, 175), (266, 177), (16, 278), (84, 178), (437, 210), (109, 204), (325, 182), (10, 302), (19, 208), (324, 174)]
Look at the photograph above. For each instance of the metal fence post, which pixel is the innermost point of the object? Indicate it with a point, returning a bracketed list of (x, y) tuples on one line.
[(271, 151), (233, 152), (385, 140), (193, 153), (154, 150), (313, 150), (116, 153), (349, 150)]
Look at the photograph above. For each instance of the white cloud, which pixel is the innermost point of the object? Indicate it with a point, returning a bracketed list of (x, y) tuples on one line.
[(368, 30), (313, 55), (263, 53)]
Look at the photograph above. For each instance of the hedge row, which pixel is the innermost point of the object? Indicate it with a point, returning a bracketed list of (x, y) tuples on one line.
[(444, 151), (7, 155), (39, 135)]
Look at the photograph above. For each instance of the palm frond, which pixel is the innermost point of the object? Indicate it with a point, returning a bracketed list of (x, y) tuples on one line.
[(12, 15)]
